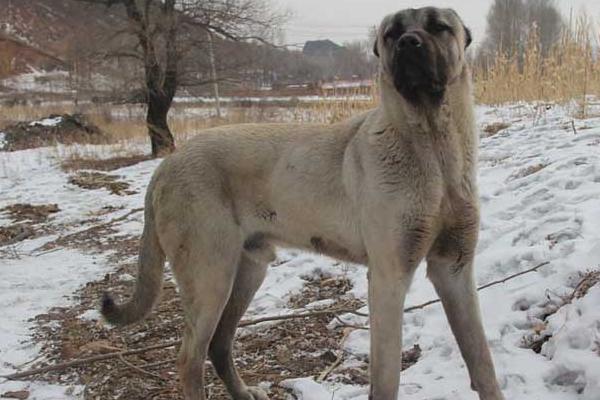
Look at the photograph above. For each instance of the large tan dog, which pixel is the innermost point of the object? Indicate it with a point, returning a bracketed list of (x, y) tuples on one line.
[(387, 189)]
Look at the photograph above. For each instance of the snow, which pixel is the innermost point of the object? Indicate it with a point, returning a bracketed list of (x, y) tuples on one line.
[(2, 140), (539, 189), (367, 83), (39, 81), (48, 122), (275, 99)]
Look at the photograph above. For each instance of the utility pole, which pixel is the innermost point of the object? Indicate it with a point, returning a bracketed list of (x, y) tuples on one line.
[(214, 77)]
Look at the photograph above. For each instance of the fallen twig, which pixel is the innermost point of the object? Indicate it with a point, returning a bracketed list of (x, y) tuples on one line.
[(338, 359), (311, 314), (332, 367), (138, 369), (487, 285), (159, 364), (346, 325), (89, 360)]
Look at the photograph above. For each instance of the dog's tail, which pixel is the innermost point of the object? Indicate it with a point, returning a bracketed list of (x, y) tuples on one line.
[(149, 280)]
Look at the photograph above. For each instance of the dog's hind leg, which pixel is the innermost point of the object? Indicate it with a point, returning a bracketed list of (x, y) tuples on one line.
[(456, 288), (250, 275), (205, 265)]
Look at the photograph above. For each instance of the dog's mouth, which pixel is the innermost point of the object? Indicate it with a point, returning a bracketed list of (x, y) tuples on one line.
[(418, 76)]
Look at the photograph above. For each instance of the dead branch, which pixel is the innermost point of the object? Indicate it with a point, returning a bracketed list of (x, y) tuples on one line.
[(311, 314), (159, 363), (487, 285), (351, 326), (508, 278), (89, 360), (138, 369)]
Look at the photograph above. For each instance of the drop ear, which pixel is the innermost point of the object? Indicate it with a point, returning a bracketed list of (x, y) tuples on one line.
[(468, 37), (376, 48)]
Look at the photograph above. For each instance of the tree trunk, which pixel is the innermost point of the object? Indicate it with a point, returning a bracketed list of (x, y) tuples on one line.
[(161, 137)]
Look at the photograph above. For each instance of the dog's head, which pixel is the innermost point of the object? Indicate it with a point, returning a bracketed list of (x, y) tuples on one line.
[(422, 51)]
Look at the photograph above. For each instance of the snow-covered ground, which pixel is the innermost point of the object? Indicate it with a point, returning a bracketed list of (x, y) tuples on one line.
[(540, 197)]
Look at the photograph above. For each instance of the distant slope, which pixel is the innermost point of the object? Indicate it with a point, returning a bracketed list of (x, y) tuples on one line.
[(45, 30)]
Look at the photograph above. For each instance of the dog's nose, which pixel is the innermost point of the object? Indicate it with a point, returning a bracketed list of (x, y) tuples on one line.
[(410, 41)]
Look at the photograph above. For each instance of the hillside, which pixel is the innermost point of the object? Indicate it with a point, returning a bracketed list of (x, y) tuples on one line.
[(36, 31)]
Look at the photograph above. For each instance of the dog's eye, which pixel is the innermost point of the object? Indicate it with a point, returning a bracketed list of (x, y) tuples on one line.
[(392, 35), (439, 27)]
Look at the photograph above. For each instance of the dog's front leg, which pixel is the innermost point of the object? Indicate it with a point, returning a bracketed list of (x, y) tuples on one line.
[(456, 288), (388, 284)]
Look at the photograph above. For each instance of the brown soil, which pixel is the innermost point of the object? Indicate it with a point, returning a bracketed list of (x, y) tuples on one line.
[(98, 180), (320, 287), (493, 129), (12, 234), (31, 213)]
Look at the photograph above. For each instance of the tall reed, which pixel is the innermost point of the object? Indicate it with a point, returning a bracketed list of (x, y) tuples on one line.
[(570, 70)]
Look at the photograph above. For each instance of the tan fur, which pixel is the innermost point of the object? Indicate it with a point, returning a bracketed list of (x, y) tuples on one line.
[(388, 189)]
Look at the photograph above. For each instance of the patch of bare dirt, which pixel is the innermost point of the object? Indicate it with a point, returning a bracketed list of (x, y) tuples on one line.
[(64, 129), (12, 234), (285, 350), (522, 173), (494, 128), (99, 237), (30, 222), (19, 395), (109, 164), (320, 287), (28, 212), (99, 180), (359, 374)]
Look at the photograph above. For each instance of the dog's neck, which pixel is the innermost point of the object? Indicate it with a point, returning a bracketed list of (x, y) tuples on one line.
[(450, 125), (455, 111)]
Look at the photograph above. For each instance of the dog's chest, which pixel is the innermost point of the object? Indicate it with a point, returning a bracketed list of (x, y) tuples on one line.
[(420, 159)]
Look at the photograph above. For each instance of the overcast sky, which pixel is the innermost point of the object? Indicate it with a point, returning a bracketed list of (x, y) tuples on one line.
[(344, 20)]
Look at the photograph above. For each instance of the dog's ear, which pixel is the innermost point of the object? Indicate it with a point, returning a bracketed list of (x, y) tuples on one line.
[(375, 48), (468, 37)]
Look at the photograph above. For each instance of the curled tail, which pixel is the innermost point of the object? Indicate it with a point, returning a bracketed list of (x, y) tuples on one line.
[(149, 280)]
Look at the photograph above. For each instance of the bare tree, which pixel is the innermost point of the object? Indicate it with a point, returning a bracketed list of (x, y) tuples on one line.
[(548, 22), (505, 26), (511, 22), (167, 32), (7, 58), (356, 60)]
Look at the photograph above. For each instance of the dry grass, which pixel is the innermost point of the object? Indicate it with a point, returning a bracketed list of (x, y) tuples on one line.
[(127, 123), (75, 163), (20, 113), (570, 71)]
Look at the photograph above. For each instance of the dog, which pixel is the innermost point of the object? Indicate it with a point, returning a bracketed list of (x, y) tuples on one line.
[(388, 189)]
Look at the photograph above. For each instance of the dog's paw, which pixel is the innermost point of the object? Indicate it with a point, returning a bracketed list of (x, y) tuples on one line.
[(257, 393)]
